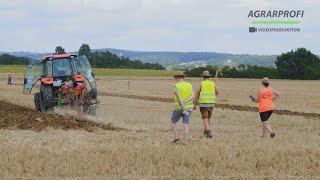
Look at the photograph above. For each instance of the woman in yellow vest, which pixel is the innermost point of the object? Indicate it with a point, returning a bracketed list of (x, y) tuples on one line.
[(206, 98), (265, 98), (183, 104)]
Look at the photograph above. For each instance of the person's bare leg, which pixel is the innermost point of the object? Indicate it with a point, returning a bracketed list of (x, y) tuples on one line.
[(207, 132), (209, 121), (264, 131), (186, 133), (267, 126), (205, 124), (175, 131), (268, 129)]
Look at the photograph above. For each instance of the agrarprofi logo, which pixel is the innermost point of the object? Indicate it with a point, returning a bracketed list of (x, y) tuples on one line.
[(275, 21), (276, 14)]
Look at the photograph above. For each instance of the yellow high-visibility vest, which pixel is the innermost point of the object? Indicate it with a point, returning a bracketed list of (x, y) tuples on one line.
[(208, 92), (185, 90)]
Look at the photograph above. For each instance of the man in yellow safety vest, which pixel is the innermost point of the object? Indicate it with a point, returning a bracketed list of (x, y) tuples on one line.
[(183, 104), (206, 98)]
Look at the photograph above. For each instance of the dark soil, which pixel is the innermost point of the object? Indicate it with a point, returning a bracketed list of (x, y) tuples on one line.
[(18, 117)]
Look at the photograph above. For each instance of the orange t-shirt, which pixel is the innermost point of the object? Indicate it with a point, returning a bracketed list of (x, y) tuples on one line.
[(266, 100)]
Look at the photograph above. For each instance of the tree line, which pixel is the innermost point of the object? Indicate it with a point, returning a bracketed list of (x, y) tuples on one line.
[(105, 59), (7, 59), (242, 71), (298, 64), (97, 59)]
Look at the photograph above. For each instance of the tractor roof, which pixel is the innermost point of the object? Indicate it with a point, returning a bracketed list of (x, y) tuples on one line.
[(57, 56)]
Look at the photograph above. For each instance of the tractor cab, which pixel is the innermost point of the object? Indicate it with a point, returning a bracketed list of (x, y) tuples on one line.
[(65, 79)]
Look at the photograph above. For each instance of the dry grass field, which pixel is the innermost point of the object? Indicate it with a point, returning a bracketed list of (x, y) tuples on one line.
[(131, 138)]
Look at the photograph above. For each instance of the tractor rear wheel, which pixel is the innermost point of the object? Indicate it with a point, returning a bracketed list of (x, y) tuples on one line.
[(46, 98), (37, 104)]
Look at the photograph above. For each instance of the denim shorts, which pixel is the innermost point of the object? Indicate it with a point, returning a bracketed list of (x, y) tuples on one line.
[(176, 115)]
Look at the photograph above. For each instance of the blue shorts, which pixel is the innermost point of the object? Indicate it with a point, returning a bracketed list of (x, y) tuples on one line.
[(176, 115)]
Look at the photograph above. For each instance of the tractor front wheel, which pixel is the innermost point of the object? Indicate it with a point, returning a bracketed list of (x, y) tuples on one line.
[(46, 98)]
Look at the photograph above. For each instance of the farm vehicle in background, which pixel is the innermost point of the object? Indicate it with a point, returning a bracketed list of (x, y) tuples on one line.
[(66, 81)]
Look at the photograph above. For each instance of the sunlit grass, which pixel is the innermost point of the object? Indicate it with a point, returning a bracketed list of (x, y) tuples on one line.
[(133, 72), (13, 68), (104, 71)]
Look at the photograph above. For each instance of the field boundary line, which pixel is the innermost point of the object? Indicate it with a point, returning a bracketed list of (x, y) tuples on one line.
[(221, 106), (283, 91)]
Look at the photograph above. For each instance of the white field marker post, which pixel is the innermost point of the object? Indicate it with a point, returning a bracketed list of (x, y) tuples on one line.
[(128, 84), (286, 96), (216, 76)]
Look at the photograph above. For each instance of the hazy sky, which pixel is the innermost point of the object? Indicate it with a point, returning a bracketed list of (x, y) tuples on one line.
[(152, 25)]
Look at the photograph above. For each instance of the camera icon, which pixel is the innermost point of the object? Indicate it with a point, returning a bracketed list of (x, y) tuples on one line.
[(252, 29)]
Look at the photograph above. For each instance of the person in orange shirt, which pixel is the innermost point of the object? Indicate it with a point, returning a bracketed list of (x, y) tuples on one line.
[(10, 77), (266, 96)]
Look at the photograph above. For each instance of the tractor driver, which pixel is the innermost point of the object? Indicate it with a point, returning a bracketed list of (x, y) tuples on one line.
[(59, 68), (58, 71)]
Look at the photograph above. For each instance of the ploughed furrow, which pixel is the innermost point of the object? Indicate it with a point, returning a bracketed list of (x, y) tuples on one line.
[(14, 117), (222, 106)]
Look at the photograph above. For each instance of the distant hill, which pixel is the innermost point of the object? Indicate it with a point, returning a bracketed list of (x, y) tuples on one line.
[(180, 60), (187, 60), (31, 55)]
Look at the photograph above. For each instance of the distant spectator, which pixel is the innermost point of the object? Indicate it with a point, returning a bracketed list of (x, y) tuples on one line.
[(10, 76)]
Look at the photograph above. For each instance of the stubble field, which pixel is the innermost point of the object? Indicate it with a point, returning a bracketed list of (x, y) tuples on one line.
[(130, 137)]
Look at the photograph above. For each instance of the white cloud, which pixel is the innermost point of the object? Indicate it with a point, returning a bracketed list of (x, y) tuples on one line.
[(184, 25), (248, 3)]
